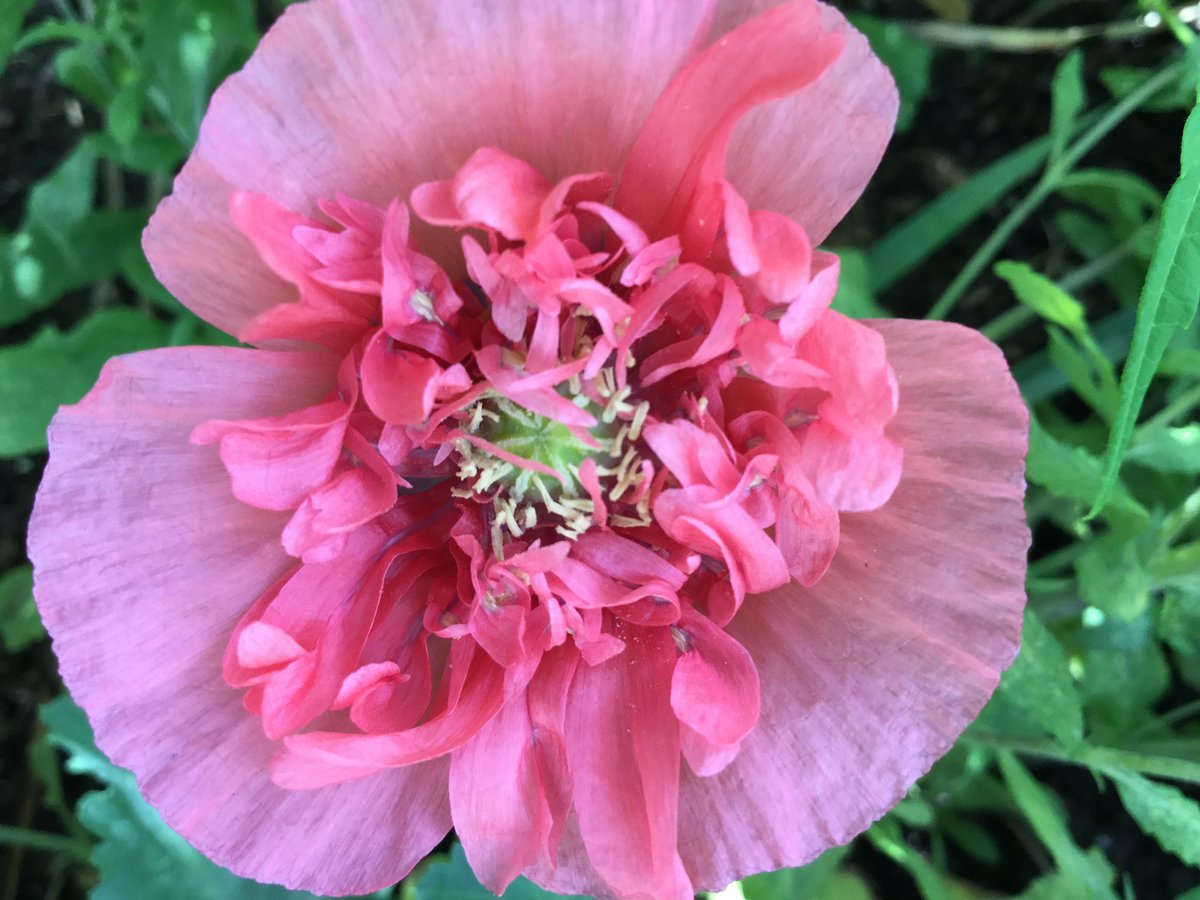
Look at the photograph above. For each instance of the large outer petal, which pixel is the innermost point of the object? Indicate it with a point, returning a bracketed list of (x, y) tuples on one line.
[(144, 562), (809, 156), (869, 676), (372, 97)]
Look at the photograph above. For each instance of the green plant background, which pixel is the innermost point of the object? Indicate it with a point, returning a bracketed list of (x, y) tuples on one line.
[(1054, 213)]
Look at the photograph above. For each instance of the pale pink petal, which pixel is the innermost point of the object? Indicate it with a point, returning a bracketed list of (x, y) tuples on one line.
[(203, 259), (130, 524), (871, 675), (370, 98), (673, 182), (809, 156)]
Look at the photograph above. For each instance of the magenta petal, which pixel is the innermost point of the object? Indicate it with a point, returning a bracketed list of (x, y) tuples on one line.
[(810, 155), (496, 797), (870, 675), (130, 524), (714, 693), (623, 743)]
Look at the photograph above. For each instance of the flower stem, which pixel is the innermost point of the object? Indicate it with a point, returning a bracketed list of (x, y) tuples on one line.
[(41, 840), (1038, 40)]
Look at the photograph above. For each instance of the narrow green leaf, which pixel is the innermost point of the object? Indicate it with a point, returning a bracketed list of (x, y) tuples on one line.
[(1088, 372), (925, 232), (1050, 826), (58, 30), (1168, 302), (854, 295), (887, 838), (1123, 80), (1163, 812), (1043, 296), (20, 624), (1039, 683), (1067, 98)]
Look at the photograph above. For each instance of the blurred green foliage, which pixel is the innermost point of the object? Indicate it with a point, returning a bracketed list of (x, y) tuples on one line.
[(1112, 632)]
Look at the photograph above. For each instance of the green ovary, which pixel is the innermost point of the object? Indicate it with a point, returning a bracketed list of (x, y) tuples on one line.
[(535, 438)]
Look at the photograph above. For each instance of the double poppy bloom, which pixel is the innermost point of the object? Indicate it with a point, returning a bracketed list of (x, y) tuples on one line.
[(553, 504)]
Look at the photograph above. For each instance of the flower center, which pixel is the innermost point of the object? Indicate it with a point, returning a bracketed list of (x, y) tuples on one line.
[(538, 472)]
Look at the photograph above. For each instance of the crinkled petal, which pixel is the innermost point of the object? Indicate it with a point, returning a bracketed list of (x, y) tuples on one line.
[(870, 675), (130, 524), (673, 182), (370, 98), (500, 813), (623, 745), (714, 693), (810, 155)]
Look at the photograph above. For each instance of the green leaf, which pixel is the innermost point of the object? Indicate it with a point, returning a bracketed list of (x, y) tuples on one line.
[(888, 839), (812, 881), (58, 30), (1121, 81), (1112, 577), (42, 268), (1169, 450), (1163, 812), (60, 201), (1043, 296), (55, 368), (124, 115), (451, 878), (1074, 474), (1065, 886), (1067, 99), (1179, 622), (12, 17), (138, 855), (1168, 302), (1121, 684), (908, 57), (1088, 372), (20, 624), (1040, 379), (925, 232), (1043, 813), (854, 297), (1039, 683)]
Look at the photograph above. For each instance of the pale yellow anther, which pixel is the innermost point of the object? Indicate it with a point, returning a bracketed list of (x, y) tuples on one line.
[(422, 305), (639, 419)]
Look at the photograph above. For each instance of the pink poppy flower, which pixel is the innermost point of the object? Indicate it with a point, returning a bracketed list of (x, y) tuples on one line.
[(555, 504)]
